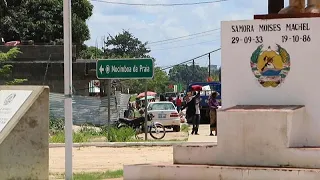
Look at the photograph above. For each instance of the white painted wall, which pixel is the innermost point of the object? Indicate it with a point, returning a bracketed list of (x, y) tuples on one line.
[(301, 87)]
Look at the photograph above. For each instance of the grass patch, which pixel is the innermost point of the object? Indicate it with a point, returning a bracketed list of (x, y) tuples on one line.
[(85, 134), (78, 137), (95, 175), (124, 134), (185, 128), (88, 134), (98, 175)]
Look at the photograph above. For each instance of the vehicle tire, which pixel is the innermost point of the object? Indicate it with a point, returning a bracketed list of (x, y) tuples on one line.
[(160, 127), (176, 128)]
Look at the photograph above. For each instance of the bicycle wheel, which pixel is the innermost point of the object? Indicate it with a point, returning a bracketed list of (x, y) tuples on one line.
[(157, 129)]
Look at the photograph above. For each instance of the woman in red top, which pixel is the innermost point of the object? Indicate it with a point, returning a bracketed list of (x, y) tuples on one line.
[(178, 103)]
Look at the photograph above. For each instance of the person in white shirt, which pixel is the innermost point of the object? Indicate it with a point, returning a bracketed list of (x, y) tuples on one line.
[(197, 117)]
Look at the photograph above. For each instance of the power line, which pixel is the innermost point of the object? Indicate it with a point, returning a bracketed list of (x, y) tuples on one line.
[(184, 62), (170, 42), (184, 45), (203, 32), (170, 4)]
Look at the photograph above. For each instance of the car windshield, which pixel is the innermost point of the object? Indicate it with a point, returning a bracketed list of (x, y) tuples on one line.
[(161, 106)]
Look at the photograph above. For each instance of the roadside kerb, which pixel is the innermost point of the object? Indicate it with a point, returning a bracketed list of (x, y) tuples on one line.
[(116, 144)]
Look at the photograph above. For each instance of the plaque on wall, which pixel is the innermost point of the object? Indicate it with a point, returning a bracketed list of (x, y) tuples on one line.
[(10, 103)]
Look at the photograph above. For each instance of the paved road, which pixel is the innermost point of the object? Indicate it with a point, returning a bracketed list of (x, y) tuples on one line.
[(204, 131)]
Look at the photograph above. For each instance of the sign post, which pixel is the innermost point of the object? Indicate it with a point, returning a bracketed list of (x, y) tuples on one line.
[(67, 38), (146, 112), (142, 68), (109, 94)]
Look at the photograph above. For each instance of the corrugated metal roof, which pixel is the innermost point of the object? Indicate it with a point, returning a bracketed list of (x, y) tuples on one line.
[(122, 102), (87, 109)]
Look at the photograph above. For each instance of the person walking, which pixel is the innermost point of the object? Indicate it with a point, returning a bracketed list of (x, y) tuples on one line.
[(162, 98), (178, 103), (197, 116), (191, 112), (213, 105)]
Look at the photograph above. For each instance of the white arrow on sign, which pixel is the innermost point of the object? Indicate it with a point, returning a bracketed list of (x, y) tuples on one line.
[(101, 69)]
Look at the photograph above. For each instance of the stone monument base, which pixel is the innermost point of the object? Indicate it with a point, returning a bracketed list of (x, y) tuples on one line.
[(207, 172), (254, 142), (24, 144)]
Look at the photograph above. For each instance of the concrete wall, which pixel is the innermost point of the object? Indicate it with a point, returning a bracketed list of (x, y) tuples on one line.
[(39, 74), (240, 86), (43, 65), (39, 52)]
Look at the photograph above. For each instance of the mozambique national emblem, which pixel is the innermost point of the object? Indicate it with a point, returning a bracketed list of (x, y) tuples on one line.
[(271, 65)]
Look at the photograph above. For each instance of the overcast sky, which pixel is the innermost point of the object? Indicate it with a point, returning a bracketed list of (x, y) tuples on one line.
[(160, 23)]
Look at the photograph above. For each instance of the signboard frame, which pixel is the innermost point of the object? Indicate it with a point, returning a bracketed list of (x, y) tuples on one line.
[(131, 59), (12, 97)]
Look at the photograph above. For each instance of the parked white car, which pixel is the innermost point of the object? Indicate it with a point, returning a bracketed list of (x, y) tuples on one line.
[(165, 113)]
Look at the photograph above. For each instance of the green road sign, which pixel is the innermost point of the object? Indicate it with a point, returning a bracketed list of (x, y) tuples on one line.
[(125, 68)]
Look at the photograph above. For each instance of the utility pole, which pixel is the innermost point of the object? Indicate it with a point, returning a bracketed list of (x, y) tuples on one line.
[(187, 79), (209, 65), (193, 70), (102, 88)]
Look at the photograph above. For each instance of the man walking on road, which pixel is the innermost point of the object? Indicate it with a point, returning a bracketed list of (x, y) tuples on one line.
[(191, 113)]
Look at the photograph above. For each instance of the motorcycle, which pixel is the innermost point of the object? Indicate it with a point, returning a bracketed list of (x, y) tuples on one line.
[(137, 124)]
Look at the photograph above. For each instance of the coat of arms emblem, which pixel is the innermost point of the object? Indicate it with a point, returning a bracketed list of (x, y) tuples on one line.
[(270, 66), (9, 99)]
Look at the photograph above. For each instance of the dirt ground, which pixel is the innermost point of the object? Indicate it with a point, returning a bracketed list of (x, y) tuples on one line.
[(170, 136), (93, 159)]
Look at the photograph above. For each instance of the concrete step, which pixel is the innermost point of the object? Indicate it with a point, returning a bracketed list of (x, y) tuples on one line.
[(194, 153), (206, 172), (212, 154)]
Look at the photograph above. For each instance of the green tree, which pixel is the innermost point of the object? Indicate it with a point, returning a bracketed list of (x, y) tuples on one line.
[(5, 70), (91, 53), (186, 74), (216, 75), (158, 84), (125, 45), (42, 21)]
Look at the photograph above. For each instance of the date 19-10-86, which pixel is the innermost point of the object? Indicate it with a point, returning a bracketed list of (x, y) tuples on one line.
[(296, 38)]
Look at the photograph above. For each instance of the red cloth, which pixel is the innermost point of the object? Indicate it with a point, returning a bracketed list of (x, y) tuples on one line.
[(196, 88), (178, 102)]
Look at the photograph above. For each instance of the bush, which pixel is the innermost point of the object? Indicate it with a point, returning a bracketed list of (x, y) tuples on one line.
[(124, 134), (55, 124), (59, 137), (91, 130), (85, 134)]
